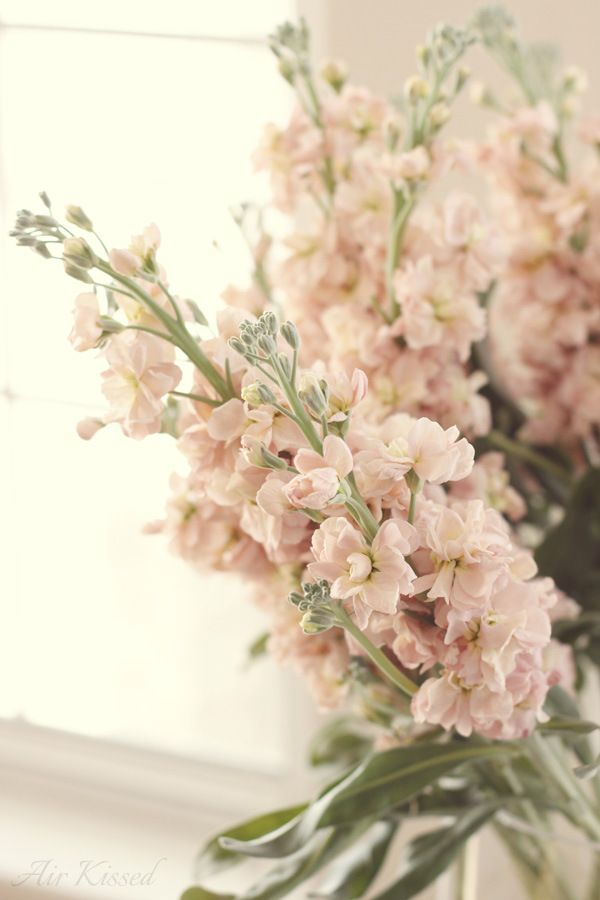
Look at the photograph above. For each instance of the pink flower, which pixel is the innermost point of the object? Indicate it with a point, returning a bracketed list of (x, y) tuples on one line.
[(373, 575), (140, 374), (142, 250), (436, 308), (86, 331), (447, 702), (319, 480), (421, 445), (344, 393), (413, 165), (124, 261), (227, 421), (469, 550)]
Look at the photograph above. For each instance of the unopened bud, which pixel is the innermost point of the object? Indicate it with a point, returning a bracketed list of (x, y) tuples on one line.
[(265, 393), (269, 322), (423, 55), (78, 273), (439, 114), (45, 199), (289, 333), (462, 76), (267, 344), (575, 80), (335, 73), (46, 221), (415, 89), (286, 69), (237, 345), (271, 460), (251, 394), (42, 249), (76, 216), (79, 252)]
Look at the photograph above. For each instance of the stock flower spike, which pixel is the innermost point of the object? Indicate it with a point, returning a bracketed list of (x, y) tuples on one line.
[(411, 457)]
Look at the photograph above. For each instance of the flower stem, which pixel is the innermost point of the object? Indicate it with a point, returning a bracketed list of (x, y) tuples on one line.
[(387, 668), (528, 454)]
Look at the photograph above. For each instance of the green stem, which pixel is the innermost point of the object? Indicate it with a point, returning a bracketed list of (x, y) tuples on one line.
[(403, 207), (199, 398), (412, 507), (528, 454), (386, 667), (171, 300), (179, 333)]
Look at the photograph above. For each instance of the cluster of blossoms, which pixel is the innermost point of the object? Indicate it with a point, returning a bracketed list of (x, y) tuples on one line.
[(291, 481), (372, 278), (545, 311), (339, 476), (544, 315)]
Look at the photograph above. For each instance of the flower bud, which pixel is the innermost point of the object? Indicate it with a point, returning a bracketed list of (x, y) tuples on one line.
[(289, 333), (45, 199), (423, 55), (286, 70), (415, 89), (45, 221), (316, 621), (265, 393), (79, 252), (462, 76), (251, 394), (269, 321), (41, 248), (267, 344), (78, 273), (335, 73), (252, 451), (76, 216), (439, 114), (237, 345), (271, 460), (575, 80)]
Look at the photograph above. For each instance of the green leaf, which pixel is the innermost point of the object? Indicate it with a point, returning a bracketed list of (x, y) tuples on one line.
[(588, 771), (384, 781), (357, 870), (344, 741), (319, 852), (197, 313), (561, 725), (198, 893), (214, 858), (430, 854), (570, 552)]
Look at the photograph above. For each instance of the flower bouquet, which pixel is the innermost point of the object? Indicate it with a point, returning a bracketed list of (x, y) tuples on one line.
[(393, 436)]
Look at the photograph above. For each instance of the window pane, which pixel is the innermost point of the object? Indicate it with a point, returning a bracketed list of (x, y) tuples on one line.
[(117, 638), (128, 642), (172, 145), (232, 18)]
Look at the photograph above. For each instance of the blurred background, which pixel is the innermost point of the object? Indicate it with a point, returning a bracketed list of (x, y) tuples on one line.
[(131, 725)]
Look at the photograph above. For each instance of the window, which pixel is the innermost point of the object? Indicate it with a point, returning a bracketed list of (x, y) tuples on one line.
[(139, 114)]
